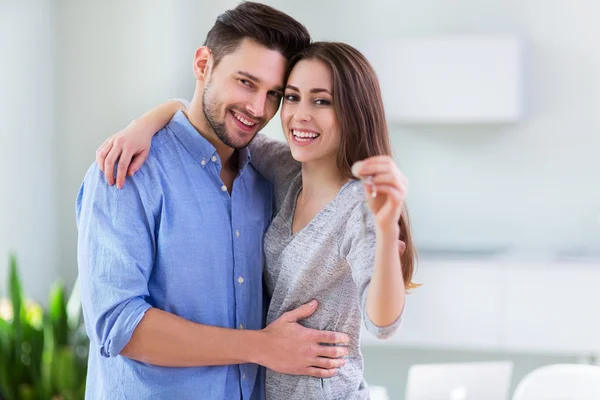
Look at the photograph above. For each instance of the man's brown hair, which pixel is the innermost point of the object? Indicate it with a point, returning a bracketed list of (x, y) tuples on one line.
[(261, 23)]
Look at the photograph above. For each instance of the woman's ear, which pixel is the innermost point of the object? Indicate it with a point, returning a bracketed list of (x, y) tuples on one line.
[(202, 63)]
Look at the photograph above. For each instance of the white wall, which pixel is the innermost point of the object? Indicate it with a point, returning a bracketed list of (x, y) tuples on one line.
[(28, 220), (530, 187), (115, 59)]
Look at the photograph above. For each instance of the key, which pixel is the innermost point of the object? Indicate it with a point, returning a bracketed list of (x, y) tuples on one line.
[(365, 205)]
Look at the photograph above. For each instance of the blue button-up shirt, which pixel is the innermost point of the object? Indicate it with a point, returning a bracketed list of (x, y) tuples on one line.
[(174, 239)]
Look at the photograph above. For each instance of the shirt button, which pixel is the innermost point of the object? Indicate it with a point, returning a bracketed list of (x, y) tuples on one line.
[(241, 326), (213, 159), (223, 188), (237, 233), (203, 162), (240, 280)]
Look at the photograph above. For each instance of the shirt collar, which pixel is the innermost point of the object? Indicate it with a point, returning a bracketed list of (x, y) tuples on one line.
[(200, 148)]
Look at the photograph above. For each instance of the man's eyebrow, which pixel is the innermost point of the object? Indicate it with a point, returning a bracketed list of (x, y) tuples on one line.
[(258, 80), (315, 90), (250, 76)]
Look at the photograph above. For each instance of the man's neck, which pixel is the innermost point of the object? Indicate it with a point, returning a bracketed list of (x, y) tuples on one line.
[(198, 120)]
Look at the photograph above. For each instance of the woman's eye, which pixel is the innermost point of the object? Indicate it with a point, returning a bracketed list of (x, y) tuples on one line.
[(291, 97), (322, 102)]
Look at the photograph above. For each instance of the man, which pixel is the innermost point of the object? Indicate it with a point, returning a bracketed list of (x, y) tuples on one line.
[(171, 264)]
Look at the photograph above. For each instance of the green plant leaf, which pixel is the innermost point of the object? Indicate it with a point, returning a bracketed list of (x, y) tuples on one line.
[(27, 392), (7, 389), (74, 312), (5, 331), (81, 391), (65, 370), (34, 315), (48, 359), (58, 314), (16, 297), (43, 354), (7, 353), (31, 350)]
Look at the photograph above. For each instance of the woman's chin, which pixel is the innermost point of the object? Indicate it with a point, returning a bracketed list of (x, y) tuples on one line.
[(301, 155)]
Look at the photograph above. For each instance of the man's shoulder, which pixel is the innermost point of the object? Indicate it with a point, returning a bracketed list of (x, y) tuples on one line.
[(164, 138)]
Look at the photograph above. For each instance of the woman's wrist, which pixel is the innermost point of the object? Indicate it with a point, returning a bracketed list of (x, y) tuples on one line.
[(387, 231)]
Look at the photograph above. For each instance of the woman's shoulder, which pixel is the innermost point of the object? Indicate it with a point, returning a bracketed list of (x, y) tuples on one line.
[(350, 198)]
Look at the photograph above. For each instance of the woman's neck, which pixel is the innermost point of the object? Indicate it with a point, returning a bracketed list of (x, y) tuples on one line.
[(321, 180)]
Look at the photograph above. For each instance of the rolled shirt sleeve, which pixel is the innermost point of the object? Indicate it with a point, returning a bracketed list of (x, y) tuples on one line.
[(115, 254)]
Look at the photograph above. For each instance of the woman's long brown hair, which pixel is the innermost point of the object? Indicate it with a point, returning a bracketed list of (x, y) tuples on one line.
[(361, 115)]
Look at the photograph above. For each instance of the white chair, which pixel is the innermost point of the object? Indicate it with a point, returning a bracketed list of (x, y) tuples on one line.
[(459, 381), (378, 393), (560, 382)]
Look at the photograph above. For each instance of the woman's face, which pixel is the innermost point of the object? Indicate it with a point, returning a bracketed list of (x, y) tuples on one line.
[(308, 114)]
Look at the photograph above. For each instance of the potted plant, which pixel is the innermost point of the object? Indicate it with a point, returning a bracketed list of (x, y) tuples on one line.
[(43, 352)]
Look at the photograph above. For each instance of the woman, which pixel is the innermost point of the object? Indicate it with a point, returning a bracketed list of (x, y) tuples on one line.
[(321, 244)]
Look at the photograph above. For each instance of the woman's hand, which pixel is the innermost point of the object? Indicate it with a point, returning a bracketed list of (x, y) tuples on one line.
[(383, 178), (130, 147)]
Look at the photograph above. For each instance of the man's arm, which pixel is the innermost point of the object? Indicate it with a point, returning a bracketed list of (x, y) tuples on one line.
[(285, 346), (116, 255)]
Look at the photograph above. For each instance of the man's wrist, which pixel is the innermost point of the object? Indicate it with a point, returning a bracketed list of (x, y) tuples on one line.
[(253, 345)]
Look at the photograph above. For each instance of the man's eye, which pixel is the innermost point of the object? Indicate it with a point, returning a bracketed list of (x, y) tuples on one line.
[(246, 82)]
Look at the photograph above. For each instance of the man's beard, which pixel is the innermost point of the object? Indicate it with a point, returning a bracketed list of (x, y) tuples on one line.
[(211, 112)]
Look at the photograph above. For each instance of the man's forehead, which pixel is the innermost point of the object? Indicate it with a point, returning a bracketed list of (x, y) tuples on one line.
[(257, 61)]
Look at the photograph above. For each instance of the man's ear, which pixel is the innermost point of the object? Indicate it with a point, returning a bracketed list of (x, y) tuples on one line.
[(202, 63)]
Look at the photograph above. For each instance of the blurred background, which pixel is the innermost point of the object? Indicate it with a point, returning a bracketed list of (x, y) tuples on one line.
[(504, 172)]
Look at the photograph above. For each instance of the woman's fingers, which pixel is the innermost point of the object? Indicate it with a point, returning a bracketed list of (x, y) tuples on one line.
[(380, 169), (401, 247), (372, 165), (390, 179), (137, 162), (124, 162), (102, 152), (391, 209), (110, 161)]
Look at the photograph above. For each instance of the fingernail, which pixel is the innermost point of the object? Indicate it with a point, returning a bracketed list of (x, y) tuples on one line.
[(356, 169), (312, 304)]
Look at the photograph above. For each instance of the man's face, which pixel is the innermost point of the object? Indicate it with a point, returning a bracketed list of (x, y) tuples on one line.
[(243, 92)]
